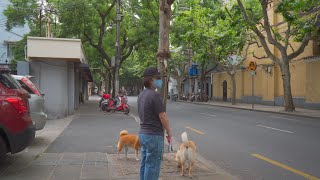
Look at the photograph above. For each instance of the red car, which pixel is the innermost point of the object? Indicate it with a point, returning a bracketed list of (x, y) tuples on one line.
[(16, 128)]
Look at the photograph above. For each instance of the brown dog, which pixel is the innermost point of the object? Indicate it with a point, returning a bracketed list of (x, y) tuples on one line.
[(128, 140), (186, 152)]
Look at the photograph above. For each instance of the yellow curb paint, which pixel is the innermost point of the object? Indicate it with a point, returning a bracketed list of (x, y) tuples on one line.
[(197, 131), (285, 167)]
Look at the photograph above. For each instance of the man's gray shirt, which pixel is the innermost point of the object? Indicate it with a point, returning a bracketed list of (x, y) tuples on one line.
[(149, 107)]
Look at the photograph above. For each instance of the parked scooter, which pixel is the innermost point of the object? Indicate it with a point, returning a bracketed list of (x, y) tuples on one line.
[(193, 97), (119, 103), (104, 101)]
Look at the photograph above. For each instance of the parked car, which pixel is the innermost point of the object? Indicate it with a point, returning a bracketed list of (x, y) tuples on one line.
[(36, 101), (16, 127)]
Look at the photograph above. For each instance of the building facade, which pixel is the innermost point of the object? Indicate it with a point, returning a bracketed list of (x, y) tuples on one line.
[(60, 70), (8, 38), (268, 86)]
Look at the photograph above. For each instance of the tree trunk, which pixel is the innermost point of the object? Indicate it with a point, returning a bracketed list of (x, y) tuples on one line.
[(196, 85), (234, 89), (113, 82), (202, 78), (179, 81), (286, 77), (163, 50), (107, 82)]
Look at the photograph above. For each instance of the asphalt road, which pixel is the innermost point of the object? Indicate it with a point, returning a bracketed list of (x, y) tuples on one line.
[(249, 144)]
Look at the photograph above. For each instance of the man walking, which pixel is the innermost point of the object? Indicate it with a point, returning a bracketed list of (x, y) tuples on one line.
[(153, 119)]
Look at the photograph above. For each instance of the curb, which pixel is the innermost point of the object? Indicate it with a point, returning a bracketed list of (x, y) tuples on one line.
[(258, 110)]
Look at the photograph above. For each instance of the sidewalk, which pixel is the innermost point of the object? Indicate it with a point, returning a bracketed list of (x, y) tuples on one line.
[(315, 114), (42, 160)]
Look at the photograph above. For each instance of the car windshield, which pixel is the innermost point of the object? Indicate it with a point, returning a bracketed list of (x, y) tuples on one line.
[(26, 87), (8, 81), (30, 86)]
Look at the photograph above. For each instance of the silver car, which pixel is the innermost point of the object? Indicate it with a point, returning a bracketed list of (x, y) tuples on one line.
[(36, 101)]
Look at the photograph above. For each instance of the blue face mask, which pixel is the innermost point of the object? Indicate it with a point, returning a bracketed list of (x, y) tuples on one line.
[(157, 83)]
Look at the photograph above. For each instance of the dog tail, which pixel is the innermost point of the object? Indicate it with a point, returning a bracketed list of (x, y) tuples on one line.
[(123, 132), (184, 137)]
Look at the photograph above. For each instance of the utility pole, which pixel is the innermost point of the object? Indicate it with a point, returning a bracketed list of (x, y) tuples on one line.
[(118, 52)]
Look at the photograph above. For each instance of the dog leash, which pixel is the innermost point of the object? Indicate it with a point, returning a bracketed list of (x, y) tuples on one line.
[(170, 149)]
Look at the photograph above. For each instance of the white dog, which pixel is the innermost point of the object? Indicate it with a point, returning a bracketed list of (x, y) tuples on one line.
[(186, 152)]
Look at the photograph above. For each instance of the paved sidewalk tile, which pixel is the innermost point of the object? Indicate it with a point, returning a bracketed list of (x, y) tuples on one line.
[(68, 172), (37, 172), (94, 172), (129, 169)]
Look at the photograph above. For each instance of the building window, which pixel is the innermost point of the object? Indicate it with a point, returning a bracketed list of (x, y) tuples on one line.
[(10, 47)]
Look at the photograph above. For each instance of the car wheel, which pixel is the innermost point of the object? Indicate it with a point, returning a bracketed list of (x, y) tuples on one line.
[(3, 147)]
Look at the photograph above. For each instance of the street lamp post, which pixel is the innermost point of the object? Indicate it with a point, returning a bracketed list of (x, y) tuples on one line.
[(118, 51)]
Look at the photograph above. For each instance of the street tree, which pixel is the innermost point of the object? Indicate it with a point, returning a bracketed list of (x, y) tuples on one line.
[(93, 21), (302, 22), (163, 54), (230, 42), (193, 30), (178, 69)]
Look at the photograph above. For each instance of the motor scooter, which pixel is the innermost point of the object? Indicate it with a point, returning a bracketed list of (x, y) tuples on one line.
[(118, 104)]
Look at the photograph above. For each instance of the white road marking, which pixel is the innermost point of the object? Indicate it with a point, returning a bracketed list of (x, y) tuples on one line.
[(178, 108), (279, 117), (136, 118), (224, 109), (275, 129), (208, 114)]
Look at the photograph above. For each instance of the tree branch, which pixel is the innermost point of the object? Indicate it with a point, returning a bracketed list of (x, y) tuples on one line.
[(90, 40), (304, 43), (103, 21), (153, 15), (263, 57), (98, 48), (287, 36), (125, 56), (259, 34), (267, 27), (124, 45), (103, 64), (211, 69), (291, 47)]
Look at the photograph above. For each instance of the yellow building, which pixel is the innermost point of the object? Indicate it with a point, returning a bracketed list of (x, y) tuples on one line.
[(268, 86)]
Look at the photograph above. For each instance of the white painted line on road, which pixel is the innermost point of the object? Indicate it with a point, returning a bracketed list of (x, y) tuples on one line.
[(195, 130), (279, 117), (208, 114), (136, 118), (178, 107), (275, 129)]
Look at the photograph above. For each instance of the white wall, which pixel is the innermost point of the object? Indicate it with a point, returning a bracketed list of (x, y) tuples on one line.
[(71, 88), (52, 79)]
